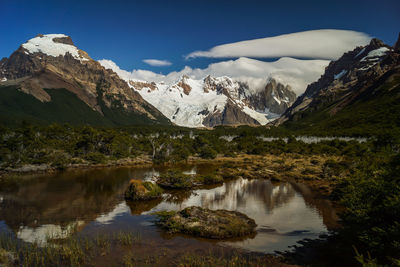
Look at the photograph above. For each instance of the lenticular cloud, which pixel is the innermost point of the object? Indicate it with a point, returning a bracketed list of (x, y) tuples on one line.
[(317, 44), (157, 62)]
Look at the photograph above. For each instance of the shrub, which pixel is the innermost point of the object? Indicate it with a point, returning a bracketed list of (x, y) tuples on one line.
[(207, 152), (95, 157), (175, 179)]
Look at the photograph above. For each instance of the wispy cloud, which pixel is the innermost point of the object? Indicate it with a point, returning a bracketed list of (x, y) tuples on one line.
[(318, 44), (157, 62)]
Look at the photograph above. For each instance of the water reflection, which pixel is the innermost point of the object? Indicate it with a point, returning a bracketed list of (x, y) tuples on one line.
[(282, 215), (316, 139), (60, 205), (43, 233)]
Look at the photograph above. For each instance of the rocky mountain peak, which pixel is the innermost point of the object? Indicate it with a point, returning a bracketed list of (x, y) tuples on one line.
[(275, 97), (52, 61), (63, 40), (376, 43), (53, 45), (347, 76), (397, 44), (271, 81)]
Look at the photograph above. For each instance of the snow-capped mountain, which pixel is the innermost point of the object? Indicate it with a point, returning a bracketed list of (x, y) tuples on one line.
[(49, 62), (353, 77), (112, 96), (213, 101)]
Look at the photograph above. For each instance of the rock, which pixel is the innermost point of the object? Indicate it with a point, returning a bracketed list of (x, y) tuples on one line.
[(276, 97), (63, 40), (231, 115), (397, 44), (139, 190), (216, 224)]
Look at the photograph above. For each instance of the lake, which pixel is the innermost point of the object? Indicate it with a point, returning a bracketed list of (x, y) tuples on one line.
[(87, 202)]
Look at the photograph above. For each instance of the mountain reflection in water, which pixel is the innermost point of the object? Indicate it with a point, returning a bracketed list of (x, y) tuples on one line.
[(282, 215), (59, 205)]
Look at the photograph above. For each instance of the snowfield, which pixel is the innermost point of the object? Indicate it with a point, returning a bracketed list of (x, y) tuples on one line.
[(190, 110), (45, 44)]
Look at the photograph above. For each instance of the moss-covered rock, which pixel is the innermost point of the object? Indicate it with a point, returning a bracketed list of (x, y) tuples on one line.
[(140, 190), (175, 179), (216, 224)]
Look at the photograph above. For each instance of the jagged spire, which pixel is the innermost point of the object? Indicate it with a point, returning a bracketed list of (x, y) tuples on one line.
[(397, 44)]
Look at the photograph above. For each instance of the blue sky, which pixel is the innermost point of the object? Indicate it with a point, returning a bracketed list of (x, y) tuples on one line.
[(129, 31)]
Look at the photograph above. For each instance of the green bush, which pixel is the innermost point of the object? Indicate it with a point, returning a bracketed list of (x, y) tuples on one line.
[(371, 197), (95, 157), (207, 152), (175, 179)]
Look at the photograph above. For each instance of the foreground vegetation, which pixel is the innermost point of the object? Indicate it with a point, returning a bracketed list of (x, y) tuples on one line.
[(33, 148), (119, 249), (362, 176)]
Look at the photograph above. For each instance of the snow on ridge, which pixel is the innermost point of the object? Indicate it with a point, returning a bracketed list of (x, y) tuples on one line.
[(45, 44), (191, 109), (185, 110), (376, 53), (297, 73), (340, 74)]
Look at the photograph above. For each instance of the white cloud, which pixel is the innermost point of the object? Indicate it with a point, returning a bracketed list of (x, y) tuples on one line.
[(320, 44), (157, 62), (295, 72)]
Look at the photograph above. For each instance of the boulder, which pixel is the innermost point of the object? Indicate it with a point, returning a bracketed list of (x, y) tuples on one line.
[(215, 224), (140, 190)]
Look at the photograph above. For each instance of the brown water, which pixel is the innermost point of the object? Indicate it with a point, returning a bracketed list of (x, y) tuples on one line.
[(91, 201)]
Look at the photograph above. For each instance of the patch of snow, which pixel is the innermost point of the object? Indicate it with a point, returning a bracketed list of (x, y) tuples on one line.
[(367, 67), (359, 53), (45, 44), (262, 118), (277, 100), (380, 52), (340, 74)]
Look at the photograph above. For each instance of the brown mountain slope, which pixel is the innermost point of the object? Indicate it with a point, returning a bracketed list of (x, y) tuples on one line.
[(53, 62)]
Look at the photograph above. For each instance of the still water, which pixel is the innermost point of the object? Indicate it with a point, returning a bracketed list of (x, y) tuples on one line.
[(84, 202)]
